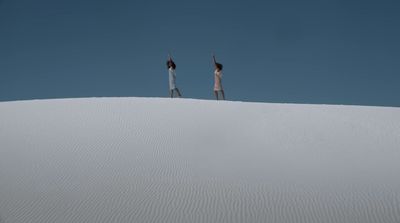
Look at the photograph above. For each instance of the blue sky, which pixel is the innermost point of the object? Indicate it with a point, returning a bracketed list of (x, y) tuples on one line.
[(322, 51)]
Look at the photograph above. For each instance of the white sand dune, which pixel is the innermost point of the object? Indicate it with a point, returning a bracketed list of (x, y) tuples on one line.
[(183, 160)]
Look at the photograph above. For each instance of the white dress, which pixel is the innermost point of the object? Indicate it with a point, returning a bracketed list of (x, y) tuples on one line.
[(172, 78), (218, 80)]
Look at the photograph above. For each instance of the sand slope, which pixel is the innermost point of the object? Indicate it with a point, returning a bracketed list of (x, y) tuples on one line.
[(184, 160)]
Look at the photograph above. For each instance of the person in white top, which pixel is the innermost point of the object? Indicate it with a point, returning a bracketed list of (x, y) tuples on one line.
[(218, 80), (172, 78)]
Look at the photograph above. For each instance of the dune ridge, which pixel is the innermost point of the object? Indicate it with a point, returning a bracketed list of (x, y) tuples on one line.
[(187, 160)]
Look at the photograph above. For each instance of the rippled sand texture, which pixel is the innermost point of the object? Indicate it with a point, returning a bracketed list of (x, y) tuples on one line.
[(187, 161)]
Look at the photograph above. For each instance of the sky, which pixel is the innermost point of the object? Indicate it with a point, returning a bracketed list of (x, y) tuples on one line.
[(281, 51)]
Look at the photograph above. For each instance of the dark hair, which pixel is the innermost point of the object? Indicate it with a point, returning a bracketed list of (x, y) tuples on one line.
[(171, 63), (219, 66)]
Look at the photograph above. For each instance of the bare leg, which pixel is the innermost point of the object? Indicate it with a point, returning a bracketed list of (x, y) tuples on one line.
[(223, 94), (177, 91), (216, 94)]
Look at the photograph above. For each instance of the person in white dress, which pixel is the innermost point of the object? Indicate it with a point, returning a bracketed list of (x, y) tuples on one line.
[(172, 78), (218, 80)]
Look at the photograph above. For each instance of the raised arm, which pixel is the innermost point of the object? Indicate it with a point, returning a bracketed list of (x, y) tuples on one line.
[(215, 61)]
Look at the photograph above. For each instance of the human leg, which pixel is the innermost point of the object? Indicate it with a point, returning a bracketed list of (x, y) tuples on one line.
[(223, 94), (177, 91)]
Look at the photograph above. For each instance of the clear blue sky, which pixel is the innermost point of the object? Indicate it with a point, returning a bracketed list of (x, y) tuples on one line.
[(322, 51)]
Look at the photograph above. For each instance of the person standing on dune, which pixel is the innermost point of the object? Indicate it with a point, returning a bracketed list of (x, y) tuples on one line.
[(218, 80), (172, 78)]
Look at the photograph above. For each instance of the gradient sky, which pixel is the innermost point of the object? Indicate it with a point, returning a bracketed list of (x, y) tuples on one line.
[(322, 51)]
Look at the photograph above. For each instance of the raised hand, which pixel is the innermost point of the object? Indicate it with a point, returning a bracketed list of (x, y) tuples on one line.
[(169, 57)]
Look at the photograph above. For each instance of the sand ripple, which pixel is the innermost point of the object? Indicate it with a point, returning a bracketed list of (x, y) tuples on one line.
[(161, 160)]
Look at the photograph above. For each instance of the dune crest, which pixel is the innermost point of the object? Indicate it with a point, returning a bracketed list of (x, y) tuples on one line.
[(186, 160)]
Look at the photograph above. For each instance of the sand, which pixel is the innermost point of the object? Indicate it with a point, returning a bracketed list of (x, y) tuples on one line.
[(185, 160)]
